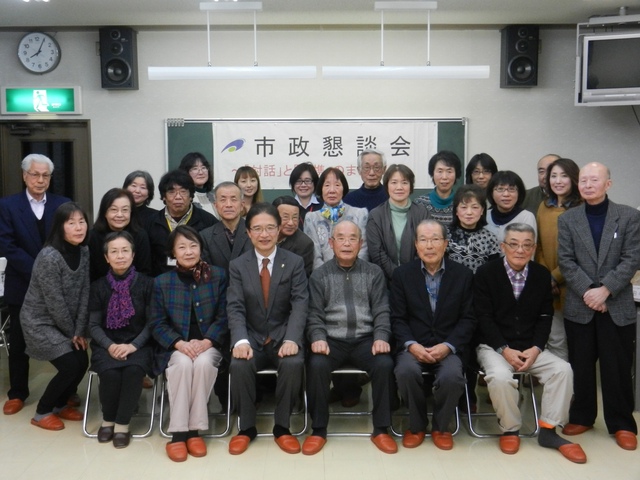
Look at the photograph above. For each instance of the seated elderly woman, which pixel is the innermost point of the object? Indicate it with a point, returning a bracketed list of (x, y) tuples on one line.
[(55, 313), (189, 322), (120, 353)]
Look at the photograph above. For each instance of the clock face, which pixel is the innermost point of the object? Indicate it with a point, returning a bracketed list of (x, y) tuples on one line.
[(38, 52)]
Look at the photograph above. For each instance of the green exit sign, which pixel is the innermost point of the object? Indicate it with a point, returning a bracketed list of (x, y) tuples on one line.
[(41, 100)]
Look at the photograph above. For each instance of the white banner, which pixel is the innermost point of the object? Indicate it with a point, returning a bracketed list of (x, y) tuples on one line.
[(273, 149)]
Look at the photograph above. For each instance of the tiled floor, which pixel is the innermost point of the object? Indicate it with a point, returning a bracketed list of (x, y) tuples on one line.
[(29, 453)]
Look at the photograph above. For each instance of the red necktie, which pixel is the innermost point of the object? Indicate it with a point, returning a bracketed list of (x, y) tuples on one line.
[(265, 281)]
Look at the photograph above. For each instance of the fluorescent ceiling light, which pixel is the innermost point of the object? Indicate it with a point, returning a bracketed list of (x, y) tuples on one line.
[(427, 71), (229, 73), (430, 72), (229, 6), (405, 6)]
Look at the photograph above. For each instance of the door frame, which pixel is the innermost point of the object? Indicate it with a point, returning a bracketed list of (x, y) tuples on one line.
[(78, 132)]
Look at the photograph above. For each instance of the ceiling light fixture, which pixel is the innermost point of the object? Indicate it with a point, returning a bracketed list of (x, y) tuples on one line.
[(418, 72), (230, 73)]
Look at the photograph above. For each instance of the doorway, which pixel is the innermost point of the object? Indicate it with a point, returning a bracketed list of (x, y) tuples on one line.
[(65, 142)]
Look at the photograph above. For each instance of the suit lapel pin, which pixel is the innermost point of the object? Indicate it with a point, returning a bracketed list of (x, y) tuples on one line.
[(282, 266)]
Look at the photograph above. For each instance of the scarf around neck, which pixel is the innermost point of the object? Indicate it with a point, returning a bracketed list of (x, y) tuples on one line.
[(333, 214), (120, 308)]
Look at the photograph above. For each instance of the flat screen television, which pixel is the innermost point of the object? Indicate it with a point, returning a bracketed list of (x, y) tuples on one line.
[(608, 71)]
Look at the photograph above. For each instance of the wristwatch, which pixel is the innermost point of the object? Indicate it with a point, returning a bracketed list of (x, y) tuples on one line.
[(501, 349)]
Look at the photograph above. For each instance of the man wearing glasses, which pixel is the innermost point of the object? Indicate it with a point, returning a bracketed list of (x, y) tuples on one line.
[(176, 191), (25, 221), (432, 321), (371, 167), (267, 308), (514, 306)]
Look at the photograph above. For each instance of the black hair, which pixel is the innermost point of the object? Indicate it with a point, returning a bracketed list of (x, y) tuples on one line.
[(262, 207), (148, 179), (176, 177), (447, 157), (101, 225), (110, 237), (189, 161), (403, 170), (470, 192), (483, 160), (510, 179), (299, 169), (63, 213)]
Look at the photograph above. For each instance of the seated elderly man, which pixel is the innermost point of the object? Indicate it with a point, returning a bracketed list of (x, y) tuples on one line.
[(432, 321), (514, 307), (348, 324)]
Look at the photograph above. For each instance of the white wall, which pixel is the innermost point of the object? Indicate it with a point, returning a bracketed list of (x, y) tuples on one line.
[(515, 126)]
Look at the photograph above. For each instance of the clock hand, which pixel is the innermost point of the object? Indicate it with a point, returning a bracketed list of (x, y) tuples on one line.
[(39, 49)]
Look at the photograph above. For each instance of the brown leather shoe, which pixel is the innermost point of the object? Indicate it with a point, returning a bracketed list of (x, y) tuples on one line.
[(74, 400), (70, 413), (509, 444), (12, 406), (288, 443), (49, 422), (105, 434), (239, 444), (575, 429), (626, 439), (177, 451), (196, 447), (313, 444), (412, 440), (385, 443), (121, 439), (442, 440), (147, 382), (573, 452)]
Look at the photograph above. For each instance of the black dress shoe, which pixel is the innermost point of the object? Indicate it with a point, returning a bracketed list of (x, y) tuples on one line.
[(105, 434), (121, 439)]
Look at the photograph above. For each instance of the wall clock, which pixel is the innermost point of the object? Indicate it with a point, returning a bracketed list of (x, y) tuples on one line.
[(39, 52)]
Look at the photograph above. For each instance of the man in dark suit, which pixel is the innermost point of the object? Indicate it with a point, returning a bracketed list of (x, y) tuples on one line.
[(432, 321), (598, 254), (514, 306), (267, 309), (25, 221), (228, 238), (291, 237), (176, 191)]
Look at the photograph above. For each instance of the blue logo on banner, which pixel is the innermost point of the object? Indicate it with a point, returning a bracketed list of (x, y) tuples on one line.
[(234, 146)]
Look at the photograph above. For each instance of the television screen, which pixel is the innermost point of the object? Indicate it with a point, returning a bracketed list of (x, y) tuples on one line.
[(613, 63), (609, 69)]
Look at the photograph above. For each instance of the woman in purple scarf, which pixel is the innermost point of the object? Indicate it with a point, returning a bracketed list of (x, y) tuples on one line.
[(119, 330)]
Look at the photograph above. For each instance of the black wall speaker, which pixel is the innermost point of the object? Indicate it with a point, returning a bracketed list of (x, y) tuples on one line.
[(519, 58), (118, 58)]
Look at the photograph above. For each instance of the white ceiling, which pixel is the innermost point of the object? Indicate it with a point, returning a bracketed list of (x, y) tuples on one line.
[(143, 14)]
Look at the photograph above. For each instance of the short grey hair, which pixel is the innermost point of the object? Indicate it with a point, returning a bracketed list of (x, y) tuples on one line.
[(521, 228), (368, 151), (342, 222), (224, 185), (430, 221), (36, 158)]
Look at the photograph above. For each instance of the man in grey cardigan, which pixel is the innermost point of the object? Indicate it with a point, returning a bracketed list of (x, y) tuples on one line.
[(348, 324)]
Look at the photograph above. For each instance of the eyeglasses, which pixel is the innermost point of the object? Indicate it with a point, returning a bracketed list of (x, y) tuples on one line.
[(342, 240), (502, 190), (39, 176), (481, 172), (306, 181), (514, 247), (369, 168), (436, 242), (173, 193), (198, 169), (270, 229)]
